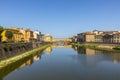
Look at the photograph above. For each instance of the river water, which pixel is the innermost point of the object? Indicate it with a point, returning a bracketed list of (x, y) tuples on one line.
[(65, 63)]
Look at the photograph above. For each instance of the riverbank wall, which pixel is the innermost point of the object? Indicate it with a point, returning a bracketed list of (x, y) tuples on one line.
[(104, 47), (11, 49), (8, 61)]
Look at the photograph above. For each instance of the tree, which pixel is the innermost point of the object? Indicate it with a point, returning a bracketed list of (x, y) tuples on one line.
[(9, 34), (1, 30)]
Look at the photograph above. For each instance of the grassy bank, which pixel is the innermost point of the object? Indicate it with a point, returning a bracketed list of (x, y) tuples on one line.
[(99, 47), (8, 61)]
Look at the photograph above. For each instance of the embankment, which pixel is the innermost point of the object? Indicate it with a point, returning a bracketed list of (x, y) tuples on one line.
[(11, 49), (8, 61), (103, 47)]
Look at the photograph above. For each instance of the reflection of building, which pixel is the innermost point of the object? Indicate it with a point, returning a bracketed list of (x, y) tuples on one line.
[(92, 57), (48, 50), (48, 38), (90, 51), (63, 46), (36, 58), (28, 62)]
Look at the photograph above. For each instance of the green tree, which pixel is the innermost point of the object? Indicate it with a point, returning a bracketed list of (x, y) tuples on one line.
[(9, 34), (1, 30)]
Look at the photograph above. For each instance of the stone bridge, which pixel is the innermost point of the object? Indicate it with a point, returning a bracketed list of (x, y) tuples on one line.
[(61, 40)]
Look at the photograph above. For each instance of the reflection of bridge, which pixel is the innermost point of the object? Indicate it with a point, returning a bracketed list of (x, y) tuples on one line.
[(66, 46), (61, 40)]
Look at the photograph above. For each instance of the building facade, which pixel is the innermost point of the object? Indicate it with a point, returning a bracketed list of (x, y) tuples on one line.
[(48, 38), (17, 35), (99, 37), (29, 37), (85, 37), (37, 36), (74, 39)]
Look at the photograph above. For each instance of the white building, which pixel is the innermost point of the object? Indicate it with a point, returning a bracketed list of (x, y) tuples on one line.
[(37, 36)]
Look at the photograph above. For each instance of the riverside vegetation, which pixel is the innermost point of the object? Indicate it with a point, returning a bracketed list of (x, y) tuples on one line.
[(8, 61), (109, 48)]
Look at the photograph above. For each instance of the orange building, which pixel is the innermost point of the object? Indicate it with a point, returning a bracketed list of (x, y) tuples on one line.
[(29, 36)]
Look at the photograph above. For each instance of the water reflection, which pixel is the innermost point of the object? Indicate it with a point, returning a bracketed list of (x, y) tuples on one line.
[(91, 57), (20, 64), (48, 50), (65, 62), (61, 44)]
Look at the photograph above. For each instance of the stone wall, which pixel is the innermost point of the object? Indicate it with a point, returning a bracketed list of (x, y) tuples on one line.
[(11, 49)]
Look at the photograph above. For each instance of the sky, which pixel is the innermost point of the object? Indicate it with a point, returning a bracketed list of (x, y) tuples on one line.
[(61, 18)]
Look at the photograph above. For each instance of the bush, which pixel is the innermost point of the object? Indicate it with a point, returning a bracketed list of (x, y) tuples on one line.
[(116, 48)]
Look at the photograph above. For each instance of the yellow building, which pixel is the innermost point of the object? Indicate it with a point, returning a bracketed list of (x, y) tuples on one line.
[(86, 37), (89, 37), (17, 35), (23, 36), (29, 36), (4, 38), (48, 38)]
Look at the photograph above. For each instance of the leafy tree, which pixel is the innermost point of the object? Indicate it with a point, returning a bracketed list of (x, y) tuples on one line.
[(1, 30), (9, 34)]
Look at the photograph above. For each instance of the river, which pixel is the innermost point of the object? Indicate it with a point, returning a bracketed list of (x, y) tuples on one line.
[(65, 63)]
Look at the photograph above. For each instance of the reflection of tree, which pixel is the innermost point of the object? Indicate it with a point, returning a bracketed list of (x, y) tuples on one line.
[(93, 56), (74, 47), (80, 50)]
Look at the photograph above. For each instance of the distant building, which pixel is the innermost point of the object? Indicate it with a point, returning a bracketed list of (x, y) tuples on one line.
[(116, 38), (48, 38), (37, 36), (29, 36), (99, 37), (105, 36), (23, 34), (74, 39), (42, 37), (85, 37)]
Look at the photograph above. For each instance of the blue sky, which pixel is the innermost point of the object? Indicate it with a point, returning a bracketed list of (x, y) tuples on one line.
[(61, 18)]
